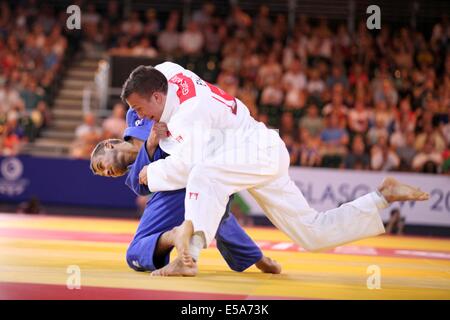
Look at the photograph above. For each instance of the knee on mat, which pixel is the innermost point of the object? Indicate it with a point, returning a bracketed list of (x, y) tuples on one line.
[(132, 259), (238, 268)]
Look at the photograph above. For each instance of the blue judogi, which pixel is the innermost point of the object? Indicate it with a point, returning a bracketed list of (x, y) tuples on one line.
[(165, 210)]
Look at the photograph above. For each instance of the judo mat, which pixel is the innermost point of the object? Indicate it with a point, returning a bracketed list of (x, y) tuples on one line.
[(49, 257)]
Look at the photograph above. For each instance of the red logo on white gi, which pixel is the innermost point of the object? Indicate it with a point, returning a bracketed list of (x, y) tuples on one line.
[(186, 87), (193, 195)]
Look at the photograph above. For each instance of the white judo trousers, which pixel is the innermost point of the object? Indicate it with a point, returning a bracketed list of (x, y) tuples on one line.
[(257, 161), (211, 183)]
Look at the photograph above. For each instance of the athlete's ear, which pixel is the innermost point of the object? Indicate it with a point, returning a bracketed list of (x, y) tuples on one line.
[(158, 97)]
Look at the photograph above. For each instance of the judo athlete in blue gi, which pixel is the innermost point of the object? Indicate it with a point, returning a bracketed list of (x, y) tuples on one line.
[(156, 234)]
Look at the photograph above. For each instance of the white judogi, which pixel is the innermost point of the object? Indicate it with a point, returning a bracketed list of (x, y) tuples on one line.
[(256, 160)]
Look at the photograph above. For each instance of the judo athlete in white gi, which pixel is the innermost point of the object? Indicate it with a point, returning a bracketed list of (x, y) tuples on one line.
[(251, 157)]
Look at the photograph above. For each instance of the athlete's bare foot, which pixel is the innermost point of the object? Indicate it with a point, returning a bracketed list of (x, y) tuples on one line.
[(165, 242), (268, 265), (181, 237), (393, 190), (177, 268)]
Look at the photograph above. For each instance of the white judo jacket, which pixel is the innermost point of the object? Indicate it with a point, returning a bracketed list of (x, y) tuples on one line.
[(198, 116)]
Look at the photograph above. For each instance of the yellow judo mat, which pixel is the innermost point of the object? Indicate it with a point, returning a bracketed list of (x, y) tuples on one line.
[(47, 257)]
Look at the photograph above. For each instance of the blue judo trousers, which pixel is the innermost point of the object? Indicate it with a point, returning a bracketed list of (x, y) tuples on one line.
[(165, 210)]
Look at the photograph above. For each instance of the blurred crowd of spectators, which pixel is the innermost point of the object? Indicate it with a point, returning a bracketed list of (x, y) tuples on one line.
[(89, 133), (32, 47), (378, 101)]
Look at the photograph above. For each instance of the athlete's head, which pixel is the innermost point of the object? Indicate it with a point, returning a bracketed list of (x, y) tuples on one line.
[(145, 91), (112, 157)]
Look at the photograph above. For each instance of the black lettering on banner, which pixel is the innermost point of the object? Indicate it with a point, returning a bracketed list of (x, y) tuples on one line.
[(437, 205), (447, 202)]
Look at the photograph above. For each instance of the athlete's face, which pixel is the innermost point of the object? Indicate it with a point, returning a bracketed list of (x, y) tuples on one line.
[(115, 160), (148, 107)]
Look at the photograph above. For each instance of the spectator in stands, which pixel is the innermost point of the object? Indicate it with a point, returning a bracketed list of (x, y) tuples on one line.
[(428, 160), (287, 124), (115, 125), (205, 15), (168, 39), (312, 122), (358, 118), (358, 75), (383, 157), (334, 142), (292, 147), (430, 133), (270, 71), (294, 78), (358, 157), (384, 114), (444, 126), (228, 81), (384, 90), (294, 82), (315, 85), (398, 138), (309, 150), (192, 40), (406, 151), (238, 19), (248, 95), (337, 76), (13, 135), (336, 106), (406, 115), (132, 26), (446, 161), (10, 98), (90, 21), (40, 116), (377, 132), (151, 26), (262, 22), (271, 100), (31, 94), (143, 48), (87, 135)]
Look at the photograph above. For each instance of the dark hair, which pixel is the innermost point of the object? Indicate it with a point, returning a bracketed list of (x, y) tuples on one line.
[(100, 150), (144, 80)]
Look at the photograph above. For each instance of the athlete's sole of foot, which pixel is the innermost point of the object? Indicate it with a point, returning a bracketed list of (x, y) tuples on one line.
[(176, 269), (394, 190)]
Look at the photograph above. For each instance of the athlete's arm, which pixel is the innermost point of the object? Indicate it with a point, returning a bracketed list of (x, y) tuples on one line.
[(189, 128), (167, 174)]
